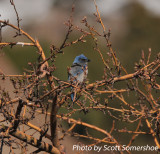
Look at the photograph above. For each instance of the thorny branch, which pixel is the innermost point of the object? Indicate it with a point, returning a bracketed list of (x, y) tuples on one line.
[(18, 19)]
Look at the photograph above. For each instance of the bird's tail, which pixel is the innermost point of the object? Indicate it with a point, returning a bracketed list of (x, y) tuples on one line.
[(72, 97)]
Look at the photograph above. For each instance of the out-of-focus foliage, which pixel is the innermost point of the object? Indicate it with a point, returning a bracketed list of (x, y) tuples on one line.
[(142, 34)]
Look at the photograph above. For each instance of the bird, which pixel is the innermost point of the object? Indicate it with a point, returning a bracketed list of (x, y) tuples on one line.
[(78, 71)]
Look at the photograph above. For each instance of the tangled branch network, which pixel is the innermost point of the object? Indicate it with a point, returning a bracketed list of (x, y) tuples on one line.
[(40, 95)]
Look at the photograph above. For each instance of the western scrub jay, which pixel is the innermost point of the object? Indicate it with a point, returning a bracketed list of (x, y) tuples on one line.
[(78, 71)]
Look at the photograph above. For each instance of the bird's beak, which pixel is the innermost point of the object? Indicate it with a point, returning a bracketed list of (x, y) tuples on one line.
[(88, 60)]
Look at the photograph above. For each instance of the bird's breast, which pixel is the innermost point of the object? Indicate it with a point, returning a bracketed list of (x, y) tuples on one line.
[(79, 72)]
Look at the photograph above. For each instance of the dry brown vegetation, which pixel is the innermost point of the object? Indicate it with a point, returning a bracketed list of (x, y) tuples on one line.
[(39, 92)]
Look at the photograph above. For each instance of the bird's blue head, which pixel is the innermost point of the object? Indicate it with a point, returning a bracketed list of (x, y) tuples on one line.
[(81, 59)]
